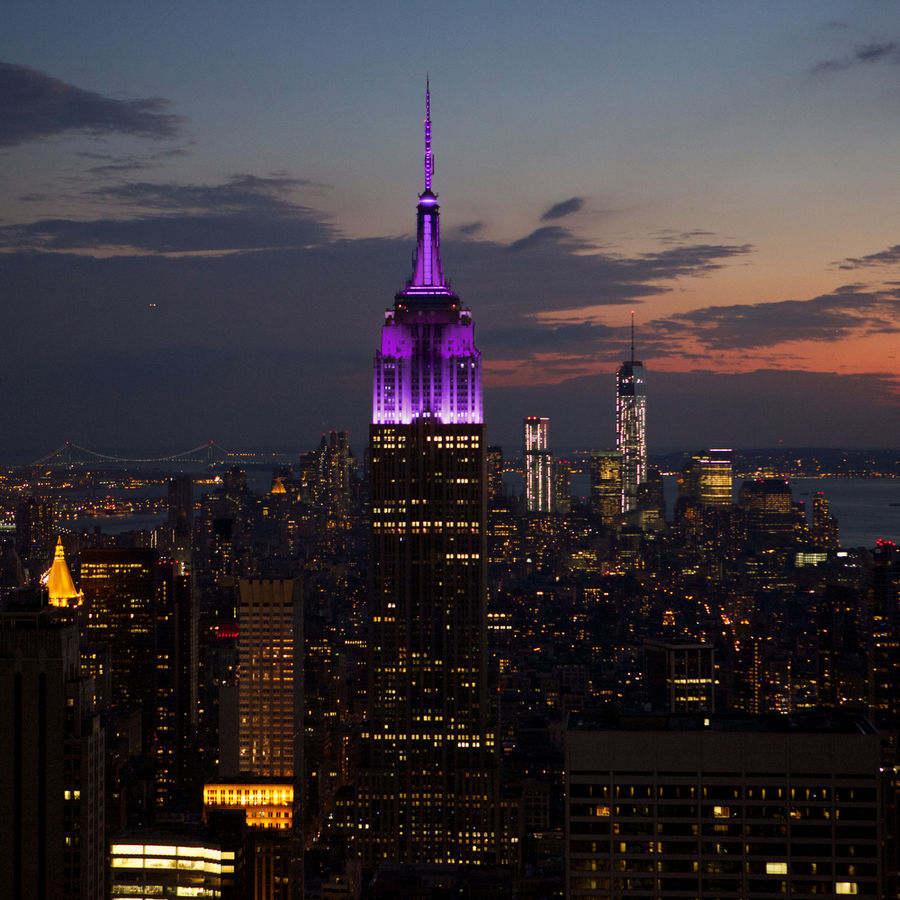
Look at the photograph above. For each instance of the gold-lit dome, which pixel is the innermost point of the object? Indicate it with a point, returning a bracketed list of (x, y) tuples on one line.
[(278, 487), (57, 578)]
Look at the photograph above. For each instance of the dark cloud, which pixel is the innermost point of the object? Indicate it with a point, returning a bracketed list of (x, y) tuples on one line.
[(528, 339), (244, 213), (274, 346), (470, 228), (671, 236), (692, 259), (549, 234), (562, 209), (277, 340), (888, 257), (123, 167), (240, 193), (865, 54), (34, 105), (551, 271), (848, 311)]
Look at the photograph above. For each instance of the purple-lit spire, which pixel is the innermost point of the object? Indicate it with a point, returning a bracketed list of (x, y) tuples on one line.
[(428, 365), (428, 276), (429, 159)]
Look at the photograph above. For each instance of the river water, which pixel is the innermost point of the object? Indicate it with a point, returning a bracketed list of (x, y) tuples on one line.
[(866, 508)]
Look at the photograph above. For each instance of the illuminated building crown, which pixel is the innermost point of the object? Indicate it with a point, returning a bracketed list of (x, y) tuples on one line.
[(58, 580), (428, 365)]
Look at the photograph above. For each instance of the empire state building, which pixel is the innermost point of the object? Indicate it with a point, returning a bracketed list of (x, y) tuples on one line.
[(426, 785)]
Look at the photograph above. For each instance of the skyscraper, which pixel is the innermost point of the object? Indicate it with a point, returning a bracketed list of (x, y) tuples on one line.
[(119, 610), (606, 485), (270, 733), (631, 425), (425, 786), (51, 763), (538, 464), (176, 707), (707, 478), (270, 679)]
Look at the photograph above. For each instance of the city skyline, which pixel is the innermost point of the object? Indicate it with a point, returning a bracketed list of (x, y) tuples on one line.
[(194, 243)]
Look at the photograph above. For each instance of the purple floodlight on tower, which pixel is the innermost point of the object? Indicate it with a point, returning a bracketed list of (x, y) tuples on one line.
[(428, 364)]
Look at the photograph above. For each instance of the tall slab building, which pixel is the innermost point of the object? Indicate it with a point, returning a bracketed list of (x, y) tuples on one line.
[(426, 783), (538, 464), (631, 425)]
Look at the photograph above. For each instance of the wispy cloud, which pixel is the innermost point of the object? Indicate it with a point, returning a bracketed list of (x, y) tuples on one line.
[(246, 212), (864, 55), (35, 105), (239, 193), (553, 235), (563, 208), (847, 312), (889, 257), (470, 228)]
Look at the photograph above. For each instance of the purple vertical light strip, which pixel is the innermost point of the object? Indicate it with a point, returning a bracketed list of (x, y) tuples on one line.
[(429, 159), (429, 252)]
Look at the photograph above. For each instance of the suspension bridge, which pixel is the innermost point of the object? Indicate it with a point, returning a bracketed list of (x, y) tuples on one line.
[(209, 454)]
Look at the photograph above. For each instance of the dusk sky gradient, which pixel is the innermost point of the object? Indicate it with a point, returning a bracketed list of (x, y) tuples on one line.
[(206, 208)]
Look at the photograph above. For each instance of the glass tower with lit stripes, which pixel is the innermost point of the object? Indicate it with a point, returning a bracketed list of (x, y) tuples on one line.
[(631, 425)]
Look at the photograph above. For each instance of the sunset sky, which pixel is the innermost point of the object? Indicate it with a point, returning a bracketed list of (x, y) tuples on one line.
[(207, 206)]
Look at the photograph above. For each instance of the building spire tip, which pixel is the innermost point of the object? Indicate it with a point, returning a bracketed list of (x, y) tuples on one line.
[(429, 157)]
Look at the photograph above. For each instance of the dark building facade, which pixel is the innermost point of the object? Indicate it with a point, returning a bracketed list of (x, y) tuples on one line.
[(728, 806), (119, 610), (52, 835)]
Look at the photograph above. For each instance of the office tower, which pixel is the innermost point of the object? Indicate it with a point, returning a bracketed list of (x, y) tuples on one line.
[(538, 464), (270, 677), (119, 610), (176, 694), (336, 478), (149, 864), (270, 731), (841, 666), (767, 504), (730, 806), (336, 469), (562, 486), (180, 507), (680, 677), (606, 485), (631, 425), (494, 473), (52, 841), (884, 653), (824, 524), (425, 786), (180, 501), (706, 477), (34, 527), (651, 500)]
